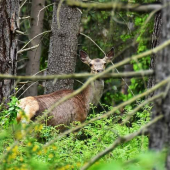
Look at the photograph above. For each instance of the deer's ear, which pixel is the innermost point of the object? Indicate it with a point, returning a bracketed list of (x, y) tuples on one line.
[(109, 56), (84, 57)]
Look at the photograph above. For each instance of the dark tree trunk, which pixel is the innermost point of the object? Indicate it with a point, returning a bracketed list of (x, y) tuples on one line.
[(33, 65), (9, 22), (160, 132), (63, 46)]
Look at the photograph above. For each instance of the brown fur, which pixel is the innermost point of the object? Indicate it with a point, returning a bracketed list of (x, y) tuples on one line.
[(69, 111), (30, 106)]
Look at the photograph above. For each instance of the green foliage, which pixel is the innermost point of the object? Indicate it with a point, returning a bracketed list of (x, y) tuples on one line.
[(72, 151), (8, 116), (144, 161)]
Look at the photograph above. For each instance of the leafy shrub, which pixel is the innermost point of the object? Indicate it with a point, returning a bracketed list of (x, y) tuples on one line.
[(75, 149)]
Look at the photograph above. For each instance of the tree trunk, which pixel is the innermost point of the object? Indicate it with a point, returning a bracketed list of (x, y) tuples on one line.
[(9, 22), (63, 46), (33, 65), (155, 42), (160, 132)]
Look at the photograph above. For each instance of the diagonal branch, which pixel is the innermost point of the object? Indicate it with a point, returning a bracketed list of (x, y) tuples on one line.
[(129, 115), (34, 38), (27, 49)]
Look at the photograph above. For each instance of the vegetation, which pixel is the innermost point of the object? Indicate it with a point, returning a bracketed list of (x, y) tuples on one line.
[(72, 151), (38, 146)]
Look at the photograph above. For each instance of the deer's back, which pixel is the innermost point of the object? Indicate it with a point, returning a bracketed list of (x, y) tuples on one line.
[(71, 110)]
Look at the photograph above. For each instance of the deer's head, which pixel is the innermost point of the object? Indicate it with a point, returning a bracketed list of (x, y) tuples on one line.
[(97, 65)]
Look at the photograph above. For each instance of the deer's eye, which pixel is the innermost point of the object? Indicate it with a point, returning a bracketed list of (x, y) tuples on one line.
[(104, 64), (90, 65)]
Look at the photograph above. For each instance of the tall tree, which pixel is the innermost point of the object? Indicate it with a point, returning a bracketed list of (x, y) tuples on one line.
[(63, 45), (160, 132), (33, 64), (9, 23)]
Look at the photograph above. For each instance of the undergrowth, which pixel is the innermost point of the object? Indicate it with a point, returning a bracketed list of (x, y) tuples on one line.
[(75, 149)]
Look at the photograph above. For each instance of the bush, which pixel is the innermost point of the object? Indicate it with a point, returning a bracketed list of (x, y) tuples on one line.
[(70, 152)]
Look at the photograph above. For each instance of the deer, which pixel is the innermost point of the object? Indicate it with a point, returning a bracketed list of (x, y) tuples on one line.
[(73, 109)]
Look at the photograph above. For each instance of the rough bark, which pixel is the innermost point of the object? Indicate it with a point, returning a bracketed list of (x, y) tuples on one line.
[(63, 46), (155, 42), (33, 64), (9, 22), (160, 132)]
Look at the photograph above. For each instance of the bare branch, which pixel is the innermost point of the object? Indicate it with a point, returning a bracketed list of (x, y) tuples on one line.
[(22, 5), (27, 49), (58, 12), (38, 16), (82, 75), (115, 5), (34, 38), (27, 17), (93, 42), (20, 32)]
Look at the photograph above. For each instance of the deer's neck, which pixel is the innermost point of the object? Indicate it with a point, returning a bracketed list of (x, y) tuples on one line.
[(93, 93)]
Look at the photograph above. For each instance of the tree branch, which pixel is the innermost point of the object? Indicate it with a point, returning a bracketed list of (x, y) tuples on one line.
[(27, 17), (82, 75), (38, 16), (27, 49), (129, 115), (34, 38), (120, 140), (115, 5)]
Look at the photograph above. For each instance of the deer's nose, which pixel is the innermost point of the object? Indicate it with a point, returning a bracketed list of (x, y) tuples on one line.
[(99, 71)]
